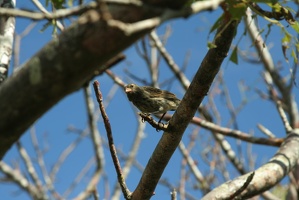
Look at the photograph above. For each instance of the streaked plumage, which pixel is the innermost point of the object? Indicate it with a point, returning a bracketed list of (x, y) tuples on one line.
[(151, 100)]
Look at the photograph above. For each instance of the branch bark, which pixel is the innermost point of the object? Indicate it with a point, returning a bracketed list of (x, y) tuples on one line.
[(266, 176), (7, 30), (197, 90), (65, 64)]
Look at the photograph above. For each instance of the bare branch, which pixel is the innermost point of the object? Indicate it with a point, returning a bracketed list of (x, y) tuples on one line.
[(198, 175), (7, 30), (131, 156), (265, 131), (168, 58), (121, 180), (61, 13), (66, 152), (44, 10), (267, 175), (20, 180), (89, 188), (151, 23), (271, 71), (42, 165), (283, 117), (237, 133), (196, 92), (31, 170)]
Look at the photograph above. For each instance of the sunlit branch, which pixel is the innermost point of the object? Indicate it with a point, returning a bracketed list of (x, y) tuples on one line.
[(265, 131), (78, 179), (31, 170), (169, 60), (194, 168), (271, 71), (44, 10), (42, 164), (266, 176), (283, 117), (20, 180)]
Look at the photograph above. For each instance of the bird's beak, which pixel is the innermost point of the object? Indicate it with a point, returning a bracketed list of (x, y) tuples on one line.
[(127, 90)]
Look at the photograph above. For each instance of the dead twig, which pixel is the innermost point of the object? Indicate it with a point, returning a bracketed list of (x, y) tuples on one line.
[(112, 148)]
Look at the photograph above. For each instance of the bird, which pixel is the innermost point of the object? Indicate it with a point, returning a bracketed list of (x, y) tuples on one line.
[(152, 100)]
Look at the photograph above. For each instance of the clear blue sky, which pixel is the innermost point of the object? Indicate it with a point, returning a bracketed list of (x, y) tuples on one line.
[(188, 35)]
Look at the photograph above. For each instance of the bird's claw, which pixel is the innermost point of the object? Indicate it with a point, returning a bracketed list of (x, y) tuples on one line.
[(160, 126), (142, 117)]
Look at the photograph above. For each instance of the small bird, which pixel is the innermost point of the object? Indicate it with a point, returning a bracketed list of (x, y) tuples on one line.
[(151, 100)]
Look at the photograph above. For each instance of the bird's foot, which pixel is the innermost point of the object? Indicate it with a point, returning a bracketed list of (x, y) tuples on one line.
[(161, 126), (143, 116)]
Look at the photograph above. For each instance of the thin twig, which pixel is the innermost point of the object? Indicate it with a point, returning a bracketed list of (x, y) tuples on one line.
[(230, 132), (61, 13), (115, 78), (31, 170), (283, 117), (97, 146), (20, 180), (65, 153), (243, 187), (131, 156), (42, 164), (168, 14), (95, 135), (83, 195), (44, 10), (266, 131), (169, 60), (120, 177), (191, 163)]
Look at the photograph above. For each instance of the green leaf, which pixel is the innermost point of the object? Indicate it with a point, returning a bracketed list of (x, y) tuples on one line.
[(70, 3), (296, 26), (211, 45), (216, 24), (293, 54), (237, 10), (58, 3), (287, 36), (234, 56)]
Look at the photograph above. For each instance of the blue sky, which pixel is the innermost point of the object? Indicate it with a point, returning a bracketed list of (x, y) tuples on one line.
[(190, 35)]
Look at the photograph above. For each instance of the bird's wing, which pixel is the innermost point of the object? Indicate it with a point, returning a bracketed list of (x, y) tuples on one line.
[(168, 95), (155, 92)]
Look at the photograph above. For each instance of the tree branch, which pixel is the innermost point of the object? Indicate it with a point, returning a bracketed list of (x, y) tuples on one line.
[(120, 176), (267, 175), (60, 67), (197, 90)]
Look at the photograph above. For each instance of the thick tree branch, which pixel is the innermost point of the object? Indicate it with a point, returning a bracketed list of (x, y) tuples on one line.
[(197, 90), (267, 175), (60, 67)]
